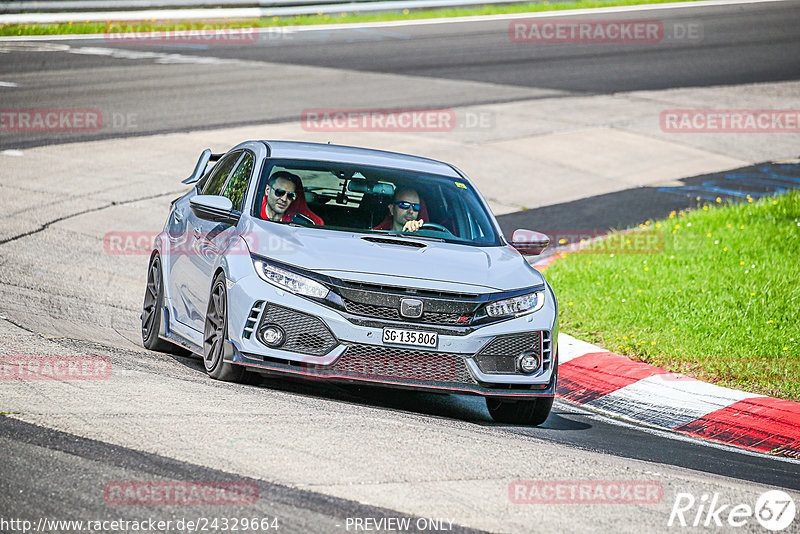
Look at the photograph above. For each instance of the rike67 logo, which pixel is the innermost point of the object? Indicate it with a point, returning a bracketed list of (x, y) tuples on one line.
[(774, 510)]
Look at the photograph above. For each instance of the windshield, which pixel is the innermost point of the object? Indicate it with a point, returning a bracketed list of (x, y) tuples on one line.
[(376, 200)]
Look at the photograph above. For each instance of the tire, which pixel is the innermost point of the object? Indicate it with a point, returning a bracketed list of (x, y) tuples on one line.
[(152, 308), (525, 412), (216, 332)]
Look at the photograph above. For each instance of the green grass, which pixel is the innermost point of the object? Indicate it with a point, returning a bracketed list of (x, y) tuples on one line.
[(84, 27), (719, 302)]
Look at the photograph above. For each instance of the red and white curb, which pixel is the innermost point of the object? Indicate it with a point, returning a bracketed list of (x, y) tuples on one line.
[(614, 384), (597, 378)]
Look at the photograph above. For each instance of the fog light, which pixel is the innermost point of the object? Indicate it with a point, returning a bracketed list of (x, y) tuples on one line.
[(529, 362), (271, 335)]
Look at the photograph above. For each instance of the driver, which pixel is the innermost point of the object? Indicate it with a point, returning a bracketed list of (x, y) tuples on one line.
[(281, 192), (403, 212)]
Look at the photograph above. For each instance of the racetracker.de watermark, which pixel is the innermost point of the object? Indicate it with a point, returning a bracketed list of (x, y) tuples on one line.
[(50, 120), (180, 493), (134, 243), (585, 492), (378, 120), (730, 121), (209, 34), (64, 120), (601, 31), (395, 120), (24, 367), (647, 241)]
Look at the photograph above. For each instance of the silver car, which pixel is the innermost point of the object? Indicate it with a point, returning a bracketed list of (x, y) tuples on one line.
[(338, 263)]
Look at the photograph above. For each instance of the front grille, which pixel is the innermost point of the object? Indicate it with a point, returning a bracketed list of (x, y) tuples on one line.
[(304, 333), (390, 363), (408, 292), (500, 355), (444, 318), (382, 303), (370, 310), (393, 314)]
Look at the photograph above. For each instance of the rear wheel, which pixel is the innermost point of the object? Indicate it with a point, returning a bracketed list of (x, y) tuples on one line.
[(153, 307), (215, 334), (524, 412)]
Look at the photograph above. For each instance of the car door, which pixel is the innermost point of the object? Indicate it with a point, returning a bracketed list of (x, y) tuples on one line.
[(212, 238), (191, 250)]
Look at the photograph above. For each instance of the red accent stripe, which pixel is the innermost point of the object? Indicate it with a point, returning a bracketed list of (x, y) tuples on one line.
[(760, 424), (588, 377)]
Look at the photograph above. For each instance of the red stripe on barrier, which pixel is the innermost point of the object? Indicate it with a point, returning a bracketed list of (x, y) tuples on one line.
[(761, 424), (588, 377)]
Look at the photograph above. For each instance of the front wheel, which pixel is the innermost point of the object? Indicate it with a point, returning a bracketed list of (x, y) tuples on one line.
[(523, 412), (215, 334), (152, 308)]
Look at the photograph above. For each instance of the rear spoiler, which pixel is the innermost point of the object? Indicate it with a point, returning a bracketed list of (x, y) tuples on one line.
[(205, 157)]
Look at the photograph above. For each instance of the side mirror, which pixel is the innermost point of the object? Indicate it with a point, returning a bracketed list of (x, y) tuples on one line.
[(528, 242), (214, 208)]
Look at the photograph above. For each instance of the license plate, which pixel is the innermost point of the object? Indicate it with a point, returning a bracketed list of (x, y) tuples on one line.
[(410, 337)]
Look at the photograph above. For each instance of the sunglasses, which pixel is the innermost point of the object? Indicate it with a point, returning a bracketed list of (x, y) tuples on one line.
[(405, 205), (280, 192)]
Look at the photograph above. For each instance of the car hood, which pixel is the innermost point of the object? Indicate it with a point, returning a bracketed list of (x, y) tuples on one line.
[(436, 265)]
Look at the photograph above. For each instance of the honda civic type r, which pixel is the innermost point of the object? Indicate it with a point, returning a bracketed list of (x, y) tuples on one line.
[(353, 265)]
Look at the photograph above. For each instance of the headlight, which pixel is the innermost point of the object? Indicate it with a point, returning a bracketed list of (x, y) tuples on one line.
[(290, 281), (513, 306)]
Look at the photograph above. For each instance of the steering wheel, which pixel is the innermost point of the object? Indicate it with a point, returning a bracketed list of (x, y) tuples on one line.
[(300, 218), (434, 226)]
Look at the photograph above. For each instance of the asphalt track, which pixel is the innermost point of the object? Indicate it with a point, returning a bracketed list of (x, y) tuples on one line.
[(71, 466), (624, 209), (56, 473), (214, 85)]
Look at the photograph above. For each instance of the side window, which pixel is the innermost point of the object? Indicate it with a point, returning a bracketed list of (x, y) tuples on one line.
[(236, 187), (221, 171), (210, 168)]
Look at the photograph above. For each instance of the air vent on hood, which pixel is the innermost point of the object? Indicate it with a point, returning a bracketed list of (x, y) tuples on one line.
[(402, 243)]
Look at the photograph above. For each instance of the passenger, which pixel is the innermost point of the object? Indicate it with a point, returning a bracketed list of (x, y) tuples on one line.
[(404, 212), (284, 199)]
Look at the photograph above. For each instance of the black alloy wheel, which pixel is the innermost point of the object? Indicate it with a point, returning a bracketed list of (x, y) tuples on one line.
[(152, 308), (215, 334)]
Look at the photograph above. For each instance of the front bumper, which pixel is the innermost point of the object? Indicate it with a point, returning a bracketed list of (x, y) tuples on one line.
[(328, 344)]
